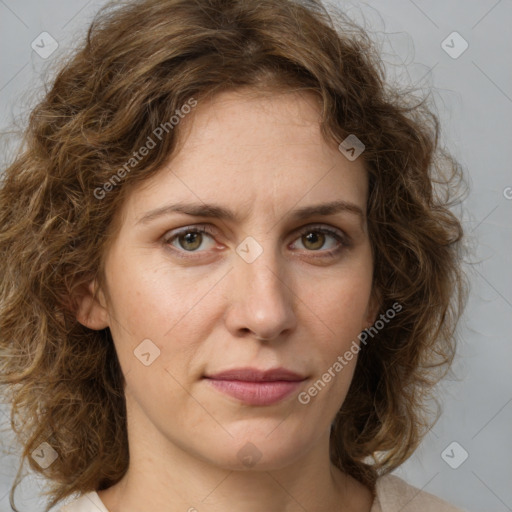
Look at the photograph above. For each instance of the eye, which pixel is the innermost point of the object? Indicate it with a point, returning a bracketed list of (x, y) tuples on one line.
[(189, 239), (313, 238)]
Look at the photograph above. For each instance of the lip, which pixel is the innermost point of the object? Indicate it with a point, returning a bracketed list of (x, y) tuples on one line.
[(249, 374), (256, 387)]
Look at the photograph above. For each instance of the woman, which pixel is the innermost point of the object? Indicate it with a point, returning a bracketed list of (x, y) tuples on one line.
[(230, 275)]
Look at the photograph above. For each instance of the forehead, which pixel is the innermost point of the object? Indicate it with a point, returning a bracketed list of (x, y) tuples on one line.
[(244, 120), (249, 150)]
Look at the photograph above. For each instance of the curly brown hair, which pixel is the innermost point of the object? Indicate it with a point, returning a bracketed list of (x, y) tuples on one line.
[(140, 62)]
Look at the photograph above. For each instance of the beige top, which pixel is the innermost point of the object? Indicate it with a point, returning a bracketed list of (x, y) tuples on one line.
[(392, 495)]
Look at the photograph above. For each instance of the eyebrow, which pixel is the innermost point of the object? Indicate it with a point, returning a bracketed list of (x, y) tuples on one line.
[(220, 212)]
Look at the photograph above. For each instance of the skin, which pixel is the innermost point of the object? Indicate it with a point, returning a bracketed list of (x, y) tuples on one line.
[(211, 310)]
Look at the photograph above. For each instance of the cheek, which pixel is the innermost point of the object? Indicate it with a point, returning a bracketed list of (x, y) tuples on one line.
[(156, 335), (171, 309), (340, 312), (344, 299), (151, 299)]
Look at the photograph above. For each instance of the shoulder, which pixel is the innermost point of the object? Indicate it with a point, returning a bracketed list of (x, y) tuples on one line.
[(89, 502), (393, 493)]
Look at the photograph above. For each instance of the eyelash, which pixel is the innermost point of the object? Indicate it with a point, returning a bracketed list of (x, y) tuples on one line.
[(338, 236)]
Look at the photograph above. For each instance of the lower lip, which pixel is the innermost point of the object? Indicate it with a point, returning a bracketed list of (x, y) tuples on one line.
[(256, 393)]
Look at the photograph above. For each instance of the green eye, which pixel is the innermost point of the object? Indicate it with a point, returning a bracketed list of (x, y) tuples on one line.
[(313, 238)]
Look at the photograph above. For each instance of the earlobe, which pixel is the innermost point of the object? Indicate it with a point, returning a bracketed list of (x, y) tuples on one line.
[(91, 310)]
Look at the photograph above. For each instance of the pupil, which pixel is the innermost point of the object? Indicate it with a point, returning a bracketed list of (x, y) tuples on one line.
[(311, 237), (189, 239)]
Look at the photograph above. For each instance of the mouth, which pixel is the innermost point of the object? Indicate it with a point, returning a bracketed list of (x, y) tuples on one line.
[(256, 387)]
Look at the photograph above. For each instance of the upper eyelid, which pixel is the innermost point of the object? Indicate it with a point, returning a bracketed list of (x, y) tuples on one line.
[(211, 230), (339, 235)]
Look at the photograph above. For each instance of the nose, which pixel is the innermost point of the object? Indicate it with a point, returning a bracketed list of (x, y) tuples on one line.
[(262, 298)]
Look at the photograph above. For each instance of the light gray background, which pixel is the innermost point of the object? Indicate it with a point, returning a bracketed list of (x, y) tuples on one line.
[(473, 95)]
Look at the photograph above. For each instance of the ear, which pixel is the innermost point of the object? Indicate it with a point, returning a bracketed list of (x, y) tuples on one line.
[(91, 310)]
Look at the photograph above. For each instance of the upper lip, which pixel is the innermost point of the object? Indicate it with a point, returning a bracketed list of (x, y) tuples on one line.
[(256, 375)]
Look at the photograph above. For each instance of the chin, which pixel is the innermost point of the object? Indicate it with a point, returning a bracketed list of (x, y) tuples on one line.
[(256, 452)]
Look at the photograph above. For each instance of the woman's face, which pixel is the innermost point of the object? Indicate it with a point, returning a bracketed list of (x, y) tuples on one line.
[(263, 288)]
